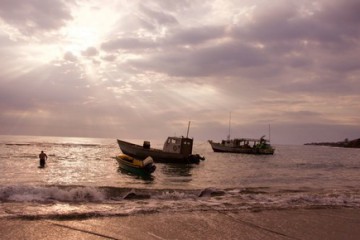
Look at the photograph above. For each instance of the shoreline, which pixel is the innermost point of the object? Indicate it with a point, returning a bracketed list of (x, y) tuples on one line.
[(337, 223)]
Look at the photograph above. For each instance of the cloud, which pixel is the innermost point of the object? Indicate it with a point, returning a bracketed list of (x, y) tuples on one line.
[(32, 16), (159, 17), (69, 56), (127, 44), (328, 22), (222, 59), (155, 65), (195, 35), (90, 52)]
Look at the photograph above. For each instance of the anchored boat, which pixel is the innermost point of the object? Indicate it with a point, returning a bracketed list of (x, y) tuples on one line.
[(243, 145), (175, 150)]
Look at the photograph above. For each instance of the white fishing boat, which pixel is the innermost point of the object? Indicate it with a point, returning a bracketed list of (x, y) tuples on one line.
[(243, 145)]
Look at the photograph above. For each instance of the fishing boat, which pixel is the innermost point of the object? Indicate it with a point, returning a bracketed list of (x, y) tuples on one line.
[(175, 150), (137, 166), (243, 145)]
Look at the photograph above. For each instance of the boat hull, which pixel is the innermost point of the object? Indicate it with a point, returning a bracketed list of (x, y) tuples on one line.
[(218, 147), (127, 163), (140, 152)]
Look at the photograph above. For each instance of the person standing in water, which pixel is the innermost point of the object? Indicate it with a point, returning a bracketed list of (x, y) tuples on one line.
[(43, 157)]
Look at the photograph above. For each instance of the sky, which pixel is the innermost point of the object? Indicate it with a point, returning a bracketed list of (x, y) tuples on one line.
[(144, 69)]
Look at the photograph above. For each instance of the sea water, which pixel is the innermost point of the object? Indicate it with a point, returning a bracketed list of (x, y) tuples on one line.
[(82, 179)]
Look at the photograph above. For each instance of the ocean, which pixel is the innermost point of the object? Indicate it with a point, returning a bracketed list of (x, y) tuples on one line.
[(83, 180)]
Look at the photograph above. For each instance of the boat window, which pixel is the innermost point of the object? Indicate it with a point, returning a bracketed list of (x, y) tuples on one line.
[(172, 140)]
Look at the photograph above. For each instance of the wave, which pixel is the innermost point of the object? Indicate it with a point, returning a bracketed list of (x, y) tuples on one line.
[(251, 196), (77, 202), (84, 194)]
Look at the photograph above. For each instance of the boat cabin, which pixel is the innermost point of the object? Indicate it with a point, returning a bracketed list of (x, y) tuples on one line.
[(244, 142), (179, 145)]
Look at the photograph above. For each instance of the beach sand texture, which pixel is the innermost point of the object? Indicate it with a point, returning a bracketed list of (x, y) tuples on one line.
[(272, 224)]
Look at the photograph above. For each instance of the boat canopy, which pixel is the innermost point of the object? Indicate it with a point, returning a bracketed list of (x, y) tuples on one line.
[(245, 142), (251, 140)]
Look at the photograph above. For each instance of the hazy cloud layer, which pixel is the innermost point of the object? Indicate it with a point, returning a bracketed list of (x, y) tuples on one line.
[(144, 69)]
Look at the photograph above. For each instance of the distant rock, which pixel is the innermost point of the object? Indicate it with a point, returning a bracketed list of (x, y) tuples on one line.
[(136, 196), (210, 192), (346, 143)]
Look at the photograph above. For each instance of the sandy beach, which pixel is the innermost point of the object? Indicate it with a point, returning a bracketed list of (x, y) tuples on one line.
[(273, 224)]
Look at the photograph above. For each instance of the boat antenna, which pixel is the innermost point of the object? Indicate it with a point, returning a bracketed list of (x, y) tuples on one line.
[(269, 134), (187, 134), (229, 125)]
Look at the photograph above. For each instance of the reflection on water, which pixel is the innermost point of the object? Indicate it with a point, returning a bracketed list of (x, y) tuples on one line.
[(90, 162), (148, 178), (165, 173), (176, 173), (182, 170)]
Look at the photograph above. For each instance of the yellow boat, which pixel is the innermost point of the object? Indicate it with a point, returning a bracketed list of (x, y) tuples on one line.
[(137, 166)]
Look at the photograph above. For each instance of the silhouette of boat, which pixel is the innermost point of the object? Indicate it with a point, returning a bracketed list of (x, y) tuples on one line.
[(243, 145), (175, 150)]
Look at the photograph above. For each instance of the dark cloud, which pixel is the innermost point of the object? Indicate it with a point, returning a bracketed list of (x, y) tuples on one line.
[(222, 59), (90, 52), (159, 17), (333, 22), (283, 42), (147, 16), (69, 56), (45, 86), (341, 13), (191, 37), (293, 64), (128, 44), (109, 58), (178, 6), (31, 16), (195, 35)]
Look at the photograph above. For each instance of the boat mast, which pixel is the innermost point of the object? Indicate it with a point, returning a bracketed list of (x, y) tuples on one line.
[(229, 125), (269, 134), (187, 134)]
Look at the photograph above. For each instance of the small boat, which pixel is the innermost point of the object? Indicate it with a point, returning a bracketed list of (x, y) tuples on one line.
[(175, 150), (243, 145), (137, 166)]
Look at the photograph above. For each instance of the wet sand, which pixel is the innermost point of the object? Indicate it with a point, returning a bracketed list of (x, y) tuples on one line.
[(273, 224)]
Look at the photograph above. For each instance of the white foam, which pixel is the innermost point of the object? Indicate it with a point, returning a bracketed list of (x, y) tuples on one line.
[(45, 194), (174, 195)]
